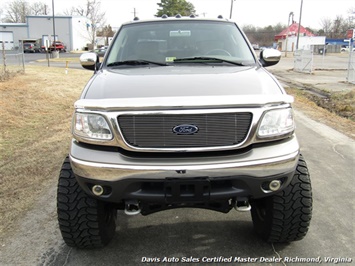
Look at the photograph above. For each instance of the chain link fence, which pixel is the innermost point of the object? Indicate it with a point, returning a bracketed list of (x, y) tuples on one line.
[(351, 68), (12, 62), (303, 61), (308, 61)]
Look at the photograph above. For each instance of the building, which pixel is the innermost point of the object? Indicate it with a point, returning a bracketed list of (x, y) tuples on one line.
[(9, 32), (71, 30), (287, 39)]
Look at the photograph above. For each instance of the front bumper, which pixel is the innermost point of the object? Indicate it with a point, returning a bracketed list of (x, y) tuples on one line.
[(126, 176)]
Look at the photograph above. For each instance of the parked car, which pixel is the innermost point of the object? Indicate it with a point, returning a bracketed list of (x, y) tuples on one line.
[(31, 48), (255, 46), (346, 49), (100, 51), (58, 46), (181, 113)]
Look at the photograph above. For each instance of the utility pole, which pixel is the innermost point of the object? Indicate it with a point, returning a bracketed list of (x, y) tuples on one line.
[(231, 12), (54, 52), (299, 26), (55, 47), (53, 21), (288, 26)]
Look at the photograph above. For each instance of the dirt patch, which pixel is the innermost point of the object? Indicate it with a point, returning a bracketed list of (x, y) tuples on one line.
[(36, 109), (336, 110), (340, 103)]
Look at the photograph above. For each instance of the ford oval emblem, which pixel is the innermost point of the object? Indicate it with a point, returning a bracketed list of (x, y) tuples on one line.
[(185, 129)]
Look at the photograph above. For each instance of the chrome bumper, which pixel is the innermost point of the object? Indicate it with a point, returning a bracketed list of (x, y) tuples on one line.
[(262, 161)]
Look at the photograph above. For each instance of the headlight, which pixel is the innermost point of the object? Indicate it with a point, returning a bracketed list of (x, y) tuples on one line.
[(276, 123), (91, 126)]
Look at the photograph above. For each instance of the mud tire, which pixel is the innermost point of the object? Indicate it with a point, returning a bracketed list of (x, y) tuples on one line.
[(84, 222), (286, 216)]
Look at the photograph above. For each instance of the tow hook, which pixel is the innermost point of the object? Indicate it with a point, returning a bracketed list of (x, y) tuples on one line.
[(132, 207), (242, 206)]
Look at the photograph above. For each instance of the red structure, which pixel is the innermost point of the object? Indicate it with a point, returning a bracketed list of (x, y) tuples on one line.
[(350, 34), (292, 30)]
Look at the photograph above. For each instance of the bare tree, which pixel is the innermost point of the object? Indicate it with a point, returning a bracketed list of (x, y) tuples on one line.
[(263, 36), (337, 27), (351, 13), (340, 26), (16, 11), (326, 24), (106, 32), (96, 18), (40, 8)]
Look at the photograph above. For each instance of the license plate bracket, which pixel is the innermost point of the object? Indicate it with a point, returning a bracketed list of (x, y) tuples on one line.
[(187, 190)]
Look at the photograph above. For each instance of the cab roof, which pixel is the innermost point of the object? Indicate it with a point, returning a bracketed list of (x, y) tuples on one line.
[(177, 18)]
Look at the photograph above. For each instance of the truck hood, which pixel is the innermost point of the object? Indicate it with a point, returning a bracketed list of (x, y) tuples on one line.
[(161, 88), (181, 81)]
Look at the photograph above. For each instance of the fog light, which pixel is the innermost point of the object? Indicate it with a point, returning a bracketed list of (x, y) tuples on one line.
[(275, 185), (97, 190)]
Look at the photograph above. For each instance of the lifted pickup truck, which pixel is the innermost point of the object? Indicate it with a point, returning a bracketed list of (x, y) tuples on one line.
[(180, 113)]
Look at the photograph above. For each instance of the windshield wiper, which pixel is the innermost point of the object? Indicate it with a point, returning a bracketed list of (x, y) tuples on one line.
[(135, 63), (198, 59)]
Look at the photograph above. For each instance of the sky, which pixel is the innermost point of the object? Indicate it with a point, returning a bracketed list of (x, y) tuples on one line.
[(259, 13)]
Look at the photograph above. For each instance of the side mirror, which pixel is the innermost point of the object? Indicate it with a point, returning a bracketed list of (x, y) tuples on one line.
[(269, 57), (90, 61)]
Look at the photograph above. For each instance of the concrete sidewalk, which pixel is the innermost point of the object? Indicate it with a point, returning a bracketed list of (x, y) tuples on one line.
[(329, 74)]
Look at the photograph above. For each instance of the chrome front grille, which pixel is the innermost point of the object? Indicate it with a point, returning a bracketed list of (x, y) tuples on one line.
[(157, 130)]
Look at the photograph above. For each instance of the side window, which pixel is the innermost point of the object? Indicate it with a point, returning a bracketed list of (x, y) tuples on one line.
[(239, 46), (118, 49)]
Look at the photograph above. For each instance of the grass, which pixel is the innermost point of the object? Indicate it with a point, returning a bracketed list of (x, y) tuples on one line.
[(9, 72), (336, 111), (341, 103), (36, 109)]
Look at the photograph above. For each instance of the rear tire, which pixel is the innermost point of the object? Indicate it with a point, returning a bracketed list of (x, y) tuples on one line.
[(84, 222), (286, 216)]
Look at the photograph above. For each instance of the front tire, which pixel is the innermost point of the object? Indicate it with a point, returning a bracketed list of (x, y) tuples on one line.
[(84, 222), (286, 216)]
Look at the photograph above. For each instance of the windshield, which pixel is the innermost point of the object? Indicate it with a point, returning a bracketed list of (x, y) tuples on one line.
[(166, 42)]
